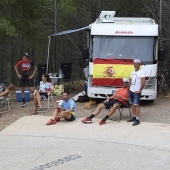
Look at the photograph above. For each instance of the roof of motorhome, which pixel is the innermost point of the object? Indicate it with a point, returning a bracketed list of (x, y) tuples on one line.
[(126, 20)]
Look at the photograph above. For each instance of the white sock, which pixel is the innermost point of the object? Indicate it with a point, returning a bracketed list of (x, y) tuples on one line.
[(133, 115), (137, 118)]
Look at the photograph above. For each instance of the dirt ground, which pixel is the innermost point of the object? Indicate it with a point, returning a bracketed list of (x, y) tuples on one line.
[(157, 112)]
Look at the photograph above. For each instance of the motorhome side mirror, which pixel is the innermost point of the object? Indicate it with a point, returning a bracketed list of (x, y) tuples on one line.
[(161, 54), (85, 52)]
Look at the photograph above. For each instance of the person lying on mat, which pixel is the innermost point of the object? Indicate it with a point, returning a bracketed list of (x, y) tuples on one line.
[(66, 108), (42, 92), (120, 98)]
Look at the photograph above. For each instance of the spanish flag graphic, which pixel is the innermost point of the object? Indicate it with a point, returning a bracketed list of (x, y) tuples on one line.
[(110, 72)]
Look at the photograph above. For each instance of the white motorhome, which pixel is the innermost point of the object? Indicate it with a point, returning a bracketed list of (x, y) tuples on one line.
[(122, 38)]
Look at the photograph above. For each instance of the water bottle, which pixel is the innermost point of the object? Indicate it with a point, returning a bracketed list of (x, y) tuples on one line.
[(60, 73)]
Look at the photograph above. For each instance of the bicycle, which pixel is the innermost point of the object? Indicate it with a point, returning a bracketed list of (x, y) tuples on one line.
[(162, 82)]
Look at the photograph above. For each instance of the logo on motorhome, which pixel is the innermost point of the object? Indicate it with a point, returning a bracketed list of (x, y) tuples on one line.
[(123, 32)]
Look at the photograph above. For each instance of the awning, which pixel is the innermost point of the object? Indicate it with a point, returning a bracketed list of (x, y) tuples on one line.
[(69, 31), (62, 33)]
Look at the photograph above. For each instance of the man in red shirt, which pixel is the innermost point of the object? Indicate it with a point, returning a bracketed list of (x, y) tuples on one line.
[(25, 76), (120, 98)]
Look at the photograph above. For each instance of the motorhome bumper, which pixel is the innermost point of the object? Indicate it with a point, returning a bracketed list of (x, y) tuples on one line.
[(143, 97)]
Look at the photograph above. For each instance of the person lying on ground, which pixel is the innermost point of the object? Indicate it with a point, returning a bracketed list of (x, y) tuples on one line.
[(65, 109), (114, 102)]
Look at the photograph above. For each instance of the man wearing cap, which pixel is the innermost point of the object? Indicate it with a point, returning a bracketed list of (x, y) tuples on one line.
[(120, 98), (25, 77), (137, 83)]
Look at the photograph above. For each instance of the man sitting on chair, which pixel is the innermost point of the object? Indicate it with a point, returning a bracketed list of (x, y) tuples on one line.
[(120, 98), (42, 92), (5, 91), (66, 108)]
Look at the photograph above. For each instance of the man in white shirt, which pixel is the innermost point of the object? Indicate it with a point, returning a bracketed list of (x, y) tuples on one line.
[(137, 83)]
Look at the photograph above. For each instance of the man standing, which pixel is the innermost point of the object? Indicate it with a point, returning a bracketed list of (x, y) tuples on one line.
[(25, 76), (137, 80), (120, 98), (66, 110)]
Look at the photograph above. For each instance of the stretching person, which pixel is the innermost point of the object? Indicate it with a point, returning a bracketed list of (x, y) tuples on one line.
[(25, 76), (120, 98), (42, 92)]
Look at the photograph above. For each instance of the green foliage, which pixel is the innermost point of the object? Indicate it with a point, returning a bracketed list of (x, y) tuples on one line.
[(26, 24), (7, 28)]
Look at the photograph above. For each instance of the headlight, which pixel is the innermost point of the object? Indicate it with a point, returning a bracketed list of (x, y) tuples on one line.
[(150, 83)]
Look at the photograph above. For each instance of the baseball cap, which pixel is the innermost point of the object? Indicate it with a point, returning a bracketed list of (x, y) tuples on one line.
[(137, 61), (125, 80), (26, 54)]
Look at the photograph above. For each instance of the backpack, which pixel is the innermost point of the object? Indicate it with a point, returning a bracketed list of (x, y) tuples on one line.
[(83, 99)]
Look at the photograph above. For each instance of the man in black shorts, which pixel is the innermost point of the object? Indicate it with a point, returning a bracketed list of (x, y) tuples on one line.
[(120, 98), (66, 108), (25, 77)]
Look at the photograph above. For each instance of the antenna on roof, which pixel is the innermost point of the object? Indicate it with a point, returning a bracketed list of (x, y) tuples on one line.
[(107, 14)]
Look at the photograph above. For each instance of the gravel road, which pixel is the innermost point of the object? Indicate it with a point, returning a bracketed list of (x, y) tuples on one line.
[(157, 112)]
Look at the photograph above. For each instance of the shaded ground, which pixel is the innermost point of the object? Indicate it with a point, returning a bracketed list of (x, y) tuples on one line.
[(157, 112)]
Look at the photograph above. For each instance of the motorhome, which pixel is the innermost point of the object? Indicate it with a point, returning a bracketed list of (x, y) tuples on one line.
[(113, 43)]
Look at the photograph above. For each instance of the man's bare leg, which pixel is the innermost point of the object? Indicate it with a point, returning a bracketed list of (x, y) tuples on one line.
[(38, 98), (4, 94), (96, 112), (98, 109), (111, 112)]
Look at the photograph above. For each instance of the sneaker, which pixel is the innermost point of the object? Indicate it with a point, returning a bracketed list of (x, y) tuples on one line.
[(23, 105), (102, 122), (87, 120), (132, 119), (136, 122), (57, 119), (51, 122), (35, 113)]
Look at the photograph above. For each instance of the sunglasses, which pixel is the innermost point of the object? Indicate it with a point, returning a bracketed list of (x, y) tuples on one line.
[(125, 82)]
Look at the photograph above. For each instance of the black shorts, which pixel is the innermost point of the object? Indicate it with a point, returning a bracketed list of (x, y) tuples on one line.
[(110, 103), (43, 96), (25, 80), (71, 118)]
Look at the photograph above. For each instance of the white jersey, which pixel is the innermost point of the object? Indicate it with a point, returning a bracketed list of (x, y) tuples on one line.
[(136, 80)]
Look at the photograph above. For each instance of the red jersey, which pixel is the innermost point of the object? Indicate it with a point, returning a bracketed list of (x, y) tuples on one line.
[(25, 66)]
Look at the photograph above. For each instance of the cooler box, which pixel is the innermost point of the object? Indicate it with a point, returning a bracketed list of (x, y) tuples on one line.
[(27, 96)]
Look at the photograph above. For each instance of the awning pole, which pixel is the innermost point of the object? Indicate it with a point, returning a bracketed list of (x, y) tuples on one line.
[(48, 54)]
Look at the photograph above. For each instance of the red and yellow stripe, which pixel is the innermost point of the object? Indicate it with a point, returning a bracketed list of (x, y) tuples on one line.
[(110, 72)]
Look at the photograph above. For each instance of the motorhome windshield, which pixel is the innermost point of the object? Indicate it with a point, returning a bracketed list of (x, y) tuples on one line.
[(124, 48)]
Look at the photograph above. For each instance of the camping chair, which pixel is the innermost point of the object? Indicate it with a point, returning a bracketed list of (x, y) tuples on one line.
[(5, 105), (121, 111), (47, 103)]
